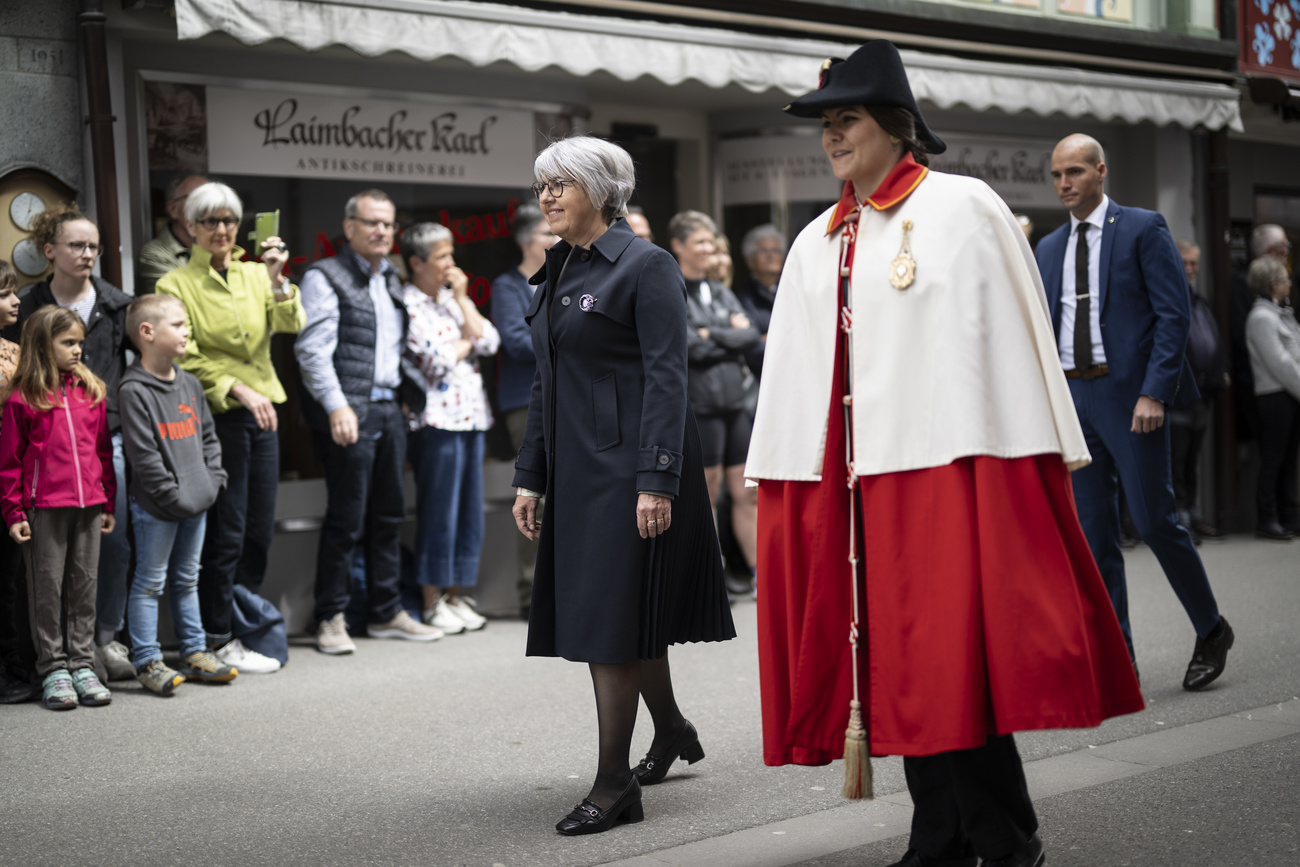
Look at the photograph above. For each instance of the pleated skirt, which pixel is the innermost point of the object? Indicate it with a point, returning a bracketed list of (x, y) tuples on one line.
[(602, 594)]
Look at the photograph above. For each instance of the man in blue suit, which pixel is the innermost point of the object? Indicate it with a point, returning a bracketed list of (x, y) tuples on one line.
[(1119, 305)]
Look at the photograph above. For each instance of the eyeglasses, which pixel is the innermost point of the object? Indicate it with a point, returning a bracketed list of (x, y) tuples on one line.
[(81, 248), (556, 187), (211, 223), (375, 224)]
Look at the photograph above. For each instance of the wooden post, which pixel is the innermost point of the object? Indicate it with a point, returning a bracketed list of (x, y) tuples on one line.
[(101, 119)]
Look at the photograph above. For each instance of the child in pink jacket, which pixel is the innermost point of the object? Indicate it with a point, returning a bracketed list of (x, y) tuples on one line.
[(56, 492)]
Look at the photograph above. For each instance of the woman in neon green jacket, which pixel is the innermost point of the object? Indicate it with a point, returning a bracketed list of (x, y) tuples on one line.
[(233, 309)]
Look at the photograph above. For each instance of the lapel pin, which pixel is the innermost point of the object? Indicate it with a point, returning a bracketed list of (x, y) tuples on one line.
[(586, 302), (1111, 220)]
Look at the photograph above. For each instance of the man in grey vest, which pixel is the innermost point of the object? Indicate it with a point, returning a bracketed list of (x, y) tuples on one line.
[(350, 356)]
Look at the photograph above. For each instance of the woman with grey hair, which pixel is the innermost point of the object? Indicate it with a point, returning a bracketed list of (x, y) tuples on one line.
[(763, 250), (446, 338), (233, 308), (1273, 343), (628, 561)]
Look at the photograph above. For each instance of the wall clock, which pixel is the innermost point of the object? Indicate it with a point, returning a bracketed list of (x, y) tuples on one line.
[(24, 209), (28, 259)]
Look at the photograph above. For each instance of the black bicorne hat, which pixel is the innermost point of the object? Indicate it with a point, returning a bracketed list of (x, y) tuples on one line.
[(873, 75)]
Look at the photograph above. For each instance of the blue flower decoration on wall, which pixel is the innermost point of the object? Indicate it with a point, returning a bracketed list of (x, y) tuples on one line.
[(1264, 5), (1295, 49), (1264, 44)]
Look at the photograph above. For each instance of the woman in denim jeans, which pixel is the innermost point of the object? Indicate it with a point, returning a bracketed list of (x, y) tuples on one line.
[(445, 341)]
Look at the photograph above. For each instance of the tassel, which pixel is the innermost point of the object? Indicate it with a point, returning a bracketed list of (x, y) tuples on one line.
[(857, 757)]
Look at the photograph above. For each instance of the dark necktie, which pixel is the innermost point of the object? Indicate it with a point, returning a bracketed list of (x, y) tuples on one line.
[(1082, 303)]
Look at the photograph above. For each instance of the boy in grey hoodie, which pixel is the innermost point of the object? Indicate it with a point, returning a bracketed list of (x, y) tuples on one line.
[(175, 458)]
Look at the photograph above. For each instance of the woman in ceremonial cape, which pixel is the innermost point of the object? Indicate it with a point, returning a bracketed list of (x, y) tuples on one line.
[(923, 578)]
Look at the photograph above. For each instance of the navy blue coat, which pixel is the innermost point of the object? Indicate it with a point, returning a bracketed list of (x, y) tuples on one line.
[(1143, 301), (516, 364), (608, 418)]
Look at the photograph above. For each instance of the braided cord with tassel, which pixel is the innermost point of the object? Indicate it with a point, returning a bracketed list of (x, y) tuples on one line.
[(857, 749)]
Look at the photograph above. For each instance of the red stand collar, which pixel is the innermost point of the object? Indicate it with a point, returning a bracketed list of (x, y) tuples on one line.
[(901, 181)]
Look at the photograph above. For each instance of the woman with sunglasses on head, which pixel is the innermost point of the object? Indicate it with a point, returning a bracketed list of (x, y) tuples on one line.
[(628, 561), (234, 307), (70, 241), (912, 449)]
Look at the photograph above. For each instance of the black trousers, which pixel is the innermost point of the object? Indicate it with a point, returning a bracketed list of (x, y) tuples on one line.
[(1277, 494), (1187, 429), (970, 802), (17, 651), (241, 524), (366, 502)]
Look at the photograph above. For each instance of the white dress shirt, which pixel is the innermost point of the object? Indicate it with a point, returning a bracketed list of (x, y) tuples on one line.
[(1096, 220), (316, 342)]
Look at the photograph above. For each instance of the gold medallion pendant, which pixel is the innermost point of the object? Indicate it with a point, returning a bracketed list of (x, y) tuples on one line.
[(902, 271)]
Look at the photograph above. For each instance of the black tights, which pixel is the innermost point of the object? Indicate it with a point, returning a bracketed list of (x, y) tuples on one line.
[(617, 690)]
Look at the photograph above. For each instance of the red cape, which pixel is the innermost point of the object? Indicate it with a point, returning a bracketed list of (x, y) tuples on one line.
[(984, 610)]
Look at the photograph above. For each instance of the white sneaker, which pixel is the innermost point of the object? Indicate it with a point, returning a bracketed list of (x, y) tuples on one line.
[(246, 661), (405, 627), (441, 616), (332, 636), (463, 607)]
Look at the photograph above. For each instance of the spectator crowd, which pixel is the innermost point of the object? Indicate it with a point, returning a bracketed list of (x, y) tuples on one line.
[(145, 430)]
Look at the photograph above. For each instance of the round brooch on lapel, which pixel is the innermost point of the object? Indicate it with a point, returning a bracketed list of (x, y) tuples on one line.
[(586, 302)]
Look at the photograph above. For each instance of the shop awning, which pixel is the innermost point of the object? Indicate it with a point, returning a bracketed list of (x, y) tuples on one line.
[(533, 39)]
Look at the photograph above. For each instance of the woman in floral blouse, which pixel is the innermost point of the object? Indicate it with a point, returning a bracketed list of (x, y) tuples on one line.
[(447, 337)]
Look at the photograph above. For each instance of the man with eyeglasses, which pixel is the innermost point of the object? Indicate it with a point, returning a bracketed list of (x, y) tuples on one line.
[(350, 356), (170, 248)]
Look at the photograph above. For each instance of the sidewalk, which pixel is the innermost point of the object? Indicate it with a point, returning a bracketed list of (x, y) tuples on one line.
[(1222, 791), (465, 753)]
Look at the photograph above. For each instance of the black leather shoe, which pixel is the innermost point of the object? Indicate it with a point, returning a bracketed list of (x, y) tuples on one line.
[(16, 690), (1028, 855), (916, 859), (1275, 531), (587, 818), (653, 769), (1208, 659)]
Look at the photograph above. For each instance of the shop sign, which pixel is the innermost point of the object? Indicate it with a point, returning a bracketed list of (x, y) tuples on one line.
[(795, 169), (286, 134), (1270, 38)]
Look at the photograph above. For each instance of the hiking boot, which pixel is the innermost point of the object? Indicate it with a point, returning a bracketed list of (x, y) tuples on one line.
[(157, 677), (332, 636), (402, 626), (204, 665), (113, 662), (242, 658), (57, 690), (91, 692)]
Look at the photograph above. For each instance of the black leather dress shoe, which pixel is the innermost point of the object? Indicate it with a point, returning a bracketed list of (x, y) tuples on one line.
[(1275, 531), (654, 768), (1028, 855), (916, 859), (16, 690), (1210, 656), (587, 818)]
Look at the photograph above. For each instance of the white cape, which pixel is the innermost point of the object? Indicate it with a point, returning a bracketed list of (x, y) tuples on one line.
[(963, 362)]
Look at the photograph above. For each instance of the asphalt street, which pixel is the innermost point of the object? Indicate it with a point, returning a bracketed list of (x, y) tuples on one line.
[(465, 752)]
